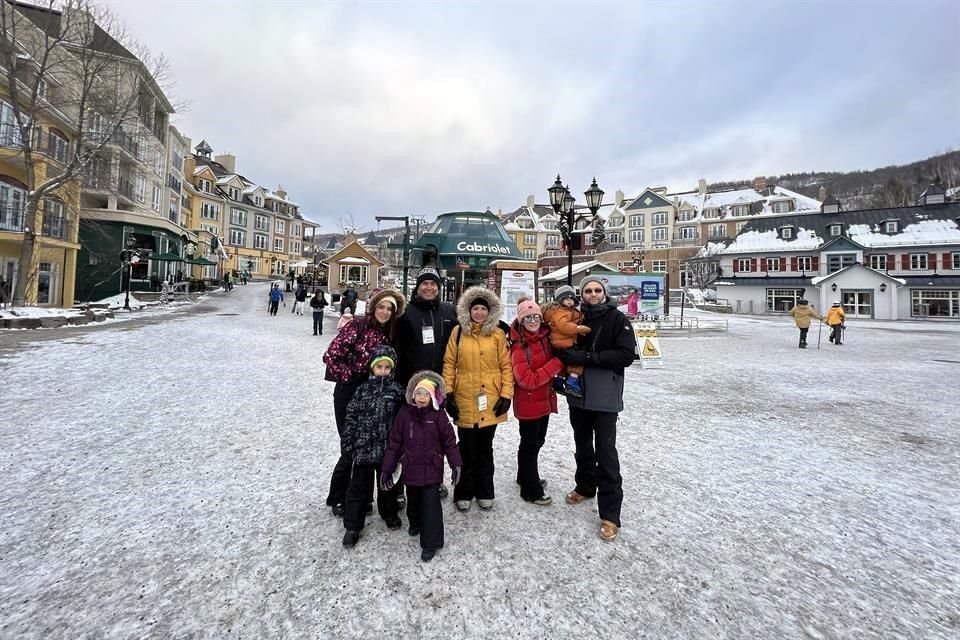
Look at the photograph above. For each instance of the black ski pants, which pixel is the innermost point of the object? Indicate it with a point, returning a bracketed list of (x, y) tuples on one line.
[(358, 497), (836, 333), (803, 334), (425, 513), (318, 322), (274, 305), (340, 479), (476, 449), (598, 465), (533, 433)]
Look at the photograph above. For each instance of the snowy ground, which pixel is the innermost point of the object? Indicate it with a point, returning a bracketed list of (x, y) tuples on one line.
[(165, 477)]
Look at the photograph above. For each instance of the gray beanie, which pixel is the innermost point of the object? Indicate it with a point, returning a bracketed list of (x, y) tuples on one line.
[(566, 291), (587, 280)]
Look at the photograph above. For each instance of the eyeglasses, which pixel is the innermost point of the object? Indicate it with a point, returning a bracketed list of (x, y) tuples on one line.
[(421, 392), (593, 290), (533, 318)]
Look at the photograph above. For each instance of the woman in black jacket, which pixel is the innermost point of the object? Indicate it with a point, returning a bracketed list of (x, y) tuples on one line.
[(604, 353)]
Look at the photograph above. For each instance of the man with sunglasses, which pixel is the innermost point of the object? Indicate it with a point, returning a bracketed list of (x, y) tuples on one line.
[(604, 353)]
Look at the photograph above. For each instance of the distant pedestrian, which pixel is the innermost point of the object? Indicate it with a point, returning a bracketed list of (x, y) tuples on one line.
[(348, 300), (299, 298), (317, 303), (3, 293), (420, 439), (370, 415), (802, 314), (835, 320), (276, 296)]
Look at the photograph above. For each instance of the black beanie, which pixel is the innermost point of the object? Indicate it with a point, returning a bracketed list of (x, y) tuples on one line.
[(481, 301)]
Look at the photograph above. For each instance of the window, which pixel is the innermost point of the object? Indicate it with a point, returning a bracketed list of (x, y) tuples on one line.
[(687, 215), (141, 187), (529, 238), (660, 234), (158, 162), (878, 263), (659, 218), (173, 213), (57, 146), (513, 238), (210, 211), (636, 235), (549, 225), (155, 200), (176, 159), (939, 304), (956, 260), (553, 240), (918, 261), (204, 185), (238, 217), (805, 263), (278, 244), (209, 228), (741, 210), (781, 207), (740, 226), (614, 238), (281, 226), (891, 226), (52, 218), (786, 233), (353, 273), (42, 88), (261, 223), (773, 264), (258, 201), (836, 229), (743, 265), (687, 233), (837, 261), (636, 220), (615, 221), (238, 237), (296, 231), (659, 266), (295, 246), (718, 231), (783, 299), (259, 241), (711, 213), (529, 254)]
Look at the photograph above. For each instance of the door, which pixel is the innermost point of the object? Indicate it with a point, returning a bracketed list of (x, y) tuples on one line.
[(858, 304)]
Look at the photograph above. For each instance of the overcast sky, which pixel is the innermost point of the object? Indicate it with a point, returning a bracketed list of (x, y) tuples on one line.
[(368, 109)]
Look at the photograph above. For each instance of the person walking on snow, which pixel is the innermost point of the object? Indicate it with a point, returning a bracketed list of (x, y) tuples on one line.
[(534, 368), (317, 303), (299, 298), (604, 354), (835, 320), (276, 297), (478, 376), (370, 415), (802, 314), (420, 438)]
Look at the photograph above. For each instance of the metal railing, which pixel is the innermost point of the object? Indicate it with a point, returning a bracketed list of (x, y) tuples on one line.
[(54, 226), (11, 218), (50, 145), (127, 142)]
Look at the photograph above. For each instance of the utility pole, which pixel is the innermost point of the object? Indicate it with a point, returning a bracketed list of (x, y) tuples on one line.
[(405, 246)]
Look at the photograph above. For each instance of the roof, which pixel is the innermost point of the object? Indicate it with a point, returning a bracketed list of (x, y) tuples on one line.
[(855, 267), (561, 273), (48, 20)]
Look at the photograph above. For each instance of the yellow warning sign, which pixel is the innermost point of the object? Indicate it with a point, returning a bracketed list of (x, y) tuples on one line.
[(649, 350), (649, 353)]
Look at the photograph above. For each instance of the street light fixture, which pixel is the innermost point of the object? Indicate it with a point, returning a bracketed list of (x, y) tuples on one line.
[(127, 256), (563, 202)]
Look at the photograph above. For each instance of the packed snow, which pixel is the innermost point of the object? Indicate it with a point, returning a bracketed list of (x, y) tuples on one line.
[(166, 478)]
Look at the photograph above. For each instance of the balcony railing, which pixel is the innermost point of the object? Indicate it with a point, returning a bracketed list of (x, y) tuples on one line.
[(98, 181), (125, 187), (44, 142), (127, 142), (54, 226), (11, 218)]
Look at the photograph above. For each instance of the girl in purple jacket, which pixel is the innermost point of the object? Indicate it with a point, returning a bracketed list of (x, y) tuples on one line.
[(420, 438)]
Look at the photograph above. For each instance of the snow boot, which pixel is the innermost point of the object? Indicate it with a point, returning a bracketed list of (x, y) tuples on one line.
[(444, 492), (559, 385), (350, 539), (394, 523), (463, 505), (427, 554), (339, 509), (485, 503), (413, 531)]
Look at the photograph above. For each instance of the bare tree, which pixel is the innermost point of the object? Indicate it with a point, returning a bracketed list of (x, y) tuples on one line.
[(68, 65), (704, 268)]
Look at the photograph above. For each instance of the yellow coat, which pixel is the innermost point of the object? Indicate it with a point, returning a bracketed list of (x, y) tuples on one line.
[(835, 316), (803, 314), (478, 362)]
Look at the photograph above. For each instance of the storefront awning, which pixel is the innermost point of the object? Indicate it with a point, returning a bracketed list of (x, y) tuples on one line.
[(201, 261)]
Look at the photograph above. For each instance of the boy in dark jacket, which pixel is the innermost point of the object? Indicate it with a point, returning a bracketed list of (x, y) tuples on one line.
[(420, 438), (370, 415)]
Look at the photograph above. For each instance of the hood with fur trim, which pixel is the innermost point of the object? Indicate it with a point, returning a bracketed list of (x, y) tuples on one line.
[(374, 299), (463, 310), (431, 375)]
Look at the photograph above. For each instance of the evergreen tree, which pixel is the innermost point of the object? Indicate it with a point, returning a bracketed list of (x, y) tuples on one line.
[(599, 231)]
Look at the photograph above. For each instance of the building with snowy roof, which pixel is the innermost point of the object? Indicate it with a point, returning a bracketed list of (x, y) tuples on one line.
[(894, 263)]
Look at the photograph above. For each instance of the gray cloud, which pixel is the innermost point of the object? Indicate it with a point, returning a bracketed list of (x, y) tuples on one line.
[(394, 108)]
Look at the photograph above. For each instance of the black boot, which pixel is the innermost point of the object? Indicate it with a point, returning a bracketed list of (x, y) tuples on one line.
[(350, 539)]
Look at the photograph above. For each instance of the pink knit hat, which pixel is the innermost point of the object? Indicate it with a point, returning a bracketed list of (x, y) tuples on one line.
[(528, 308)]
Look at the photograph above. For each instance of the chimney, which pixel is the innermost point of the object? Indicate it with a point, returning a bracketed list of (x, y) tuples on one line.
[(701, 186), (759, 183), (228, 160), (281, 192), (530, 201), (822, 193), (618, 197)]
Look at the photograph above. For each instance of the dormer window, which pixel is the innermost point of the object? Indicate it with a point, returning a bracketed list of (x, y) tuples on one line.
[(891, 226), (786, 233), (836, 230), (783, 206)]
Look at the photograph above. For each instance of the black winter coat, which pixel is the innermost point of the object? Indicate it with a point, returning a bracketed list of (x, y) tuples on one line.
[(370, 415), (610, 348), (414, 355)]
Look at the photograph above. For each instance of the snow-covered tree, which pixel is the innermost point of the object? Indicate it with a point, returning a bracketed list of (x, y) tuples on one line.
[(599, 232), (704, 268)]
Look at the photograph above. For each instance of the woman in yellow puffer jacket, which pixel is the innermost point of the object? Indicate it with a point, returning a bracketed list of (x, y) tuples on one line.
[(479, 377)]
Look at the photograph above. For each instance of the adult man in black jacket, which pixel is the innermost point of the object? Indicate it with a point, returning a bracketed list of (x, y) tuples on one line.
[(604, 353)]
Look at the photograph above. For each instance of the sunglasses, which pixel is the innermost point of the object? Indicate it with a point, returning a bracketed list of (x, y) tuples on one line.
[(593, 290), (533, 318)]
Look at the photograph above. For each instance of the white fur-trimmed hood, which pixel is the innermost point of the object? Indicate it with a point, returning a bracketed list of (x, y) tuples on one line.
[(463, 310)]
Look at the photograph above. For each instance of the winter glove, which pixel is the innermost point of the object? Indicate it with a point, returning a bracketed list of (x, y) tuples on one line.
[(502, 406), (573, 357), (455, 476), (451, 406), (386, 481)]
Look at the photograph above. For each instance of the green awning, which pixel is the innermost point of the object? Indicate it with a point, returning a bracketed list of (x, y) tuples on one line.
[(201, 261), (167, 257)]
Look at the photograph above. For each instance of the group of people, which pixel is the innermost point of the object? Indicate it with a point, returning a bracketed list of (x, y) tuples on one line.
[(803, 314), (407, 374)]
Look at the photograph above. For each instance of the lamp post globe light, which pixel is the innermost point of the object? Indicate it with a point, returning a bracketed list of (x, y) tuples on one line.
[(563, 202), (127, 256)]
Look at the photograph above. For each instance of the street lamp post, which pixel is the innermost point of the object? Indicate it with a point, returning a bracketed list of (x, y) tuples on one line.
[(190, 250), (127, 256), (638, 257), (563, 202)]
